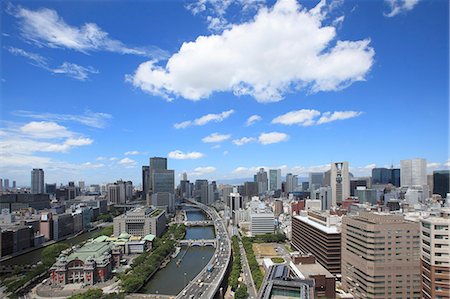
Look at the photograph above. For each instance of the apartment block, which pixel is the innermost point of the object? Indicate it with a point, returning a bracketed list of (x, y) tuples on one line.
[(380, 256), (435, 256), (319, 234)]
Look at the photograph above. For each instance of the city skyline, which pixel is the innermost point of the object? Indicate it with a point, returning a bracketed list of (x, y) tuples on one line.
[(85, 102)]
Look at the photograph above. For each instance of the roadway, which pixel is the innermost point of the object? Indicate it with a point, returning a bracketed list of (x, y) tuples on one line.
[(206, 283)]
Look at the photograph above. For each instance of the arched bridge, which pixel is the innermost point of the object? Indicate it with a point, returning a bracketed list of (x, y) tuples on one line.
[(200, 242)]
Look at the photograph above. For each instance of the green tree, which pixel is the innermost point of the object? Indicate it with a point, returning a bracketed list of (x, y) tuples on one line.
[(241, 292)]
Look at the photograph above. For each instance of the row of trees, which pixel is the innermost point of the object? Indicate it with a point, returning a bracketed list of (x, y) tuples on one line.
[(49, 255), (233, 279), (269, 238), (97, 294), (254, 267), (105, 231), (241, 292), (147, 263)]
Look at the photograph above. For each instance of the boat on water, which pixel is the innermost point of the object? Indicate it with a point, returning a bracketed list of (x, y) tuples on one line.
[(177, 251)]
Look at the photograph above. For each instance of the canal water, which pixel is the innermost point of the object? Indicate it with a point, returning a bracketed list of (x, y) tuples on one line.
[(35, 256), (173, 278)]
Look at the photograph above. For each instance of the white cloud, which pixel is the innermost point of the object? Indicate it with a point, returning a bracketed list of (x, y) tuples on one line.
[(283, 48), (45, 129), (337, 115), (399, 6), (203, 120), (75, 71), (199, 171), (244, 140), (91, 119), (113, 159), (272, 137), (252, 119), (179, 155), (370, 166), (44, 27), (93, 165), (132, 153), (304, 117), (215, 137), (127, 162), (309, 117), (27, 139), (67, 68), (215, 10)]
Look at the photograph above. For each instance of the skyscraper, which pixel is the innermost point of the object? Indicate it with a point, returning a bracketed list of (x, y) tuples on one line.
[(340, 182), (262, 180), (413, 172), (145, 181), (384, 176), (291, 182), (274, 179), (37, 181), (315, 180), (6, 182), (441, 179)]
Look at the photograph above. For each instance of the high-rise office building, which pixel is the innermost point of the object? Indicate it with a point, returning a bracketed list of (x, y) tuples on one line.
[(145, 181), (291, 183), (274, 179), (14, 185), (435, 256), (184, 176), (380, 256), (114, 194), (383, 176), (441, 182), (37, 181), (262, 180), (163, 180), (340, 182), (315, 180), (50, 188), (413, 172), (6, 184), (319, 234), (82, 186), (158, 163)]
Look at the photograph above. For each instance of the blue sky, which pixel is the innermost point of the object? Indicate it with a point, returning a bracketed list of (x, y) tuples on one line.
[(90, 90)]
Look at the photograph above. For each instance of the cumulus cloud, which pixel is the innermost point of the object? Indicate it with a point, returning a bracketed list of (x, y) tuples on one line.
[(215, 11), (179, 155), (44, 27), (45, 129), (203, 120), (400, 6), (283, 48), (127, 162), (66, 68), (133, 153), (215, 137), (88, 118), (337, 115), (244, 140), (272, 137), (199, 171), (252, 119), (309, 117), (304, 117)]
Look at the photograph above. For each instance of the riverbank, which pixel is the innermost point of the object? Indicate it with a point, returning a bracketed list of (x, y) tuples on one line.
[(45, 244)]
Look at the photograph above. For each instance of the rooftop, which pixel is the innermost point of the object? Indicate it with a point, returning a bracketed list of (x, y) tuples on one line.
[(93, 250), (333, 229)]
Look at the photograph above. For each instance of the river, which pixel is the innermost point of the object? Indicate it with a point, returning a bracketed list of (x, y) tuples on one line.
[(173, 278), (35, 256)]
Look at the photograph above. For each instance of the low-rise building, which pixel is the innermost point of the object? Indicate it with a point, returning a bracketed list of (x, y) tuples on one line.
[(141, 221), (89, 264)]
